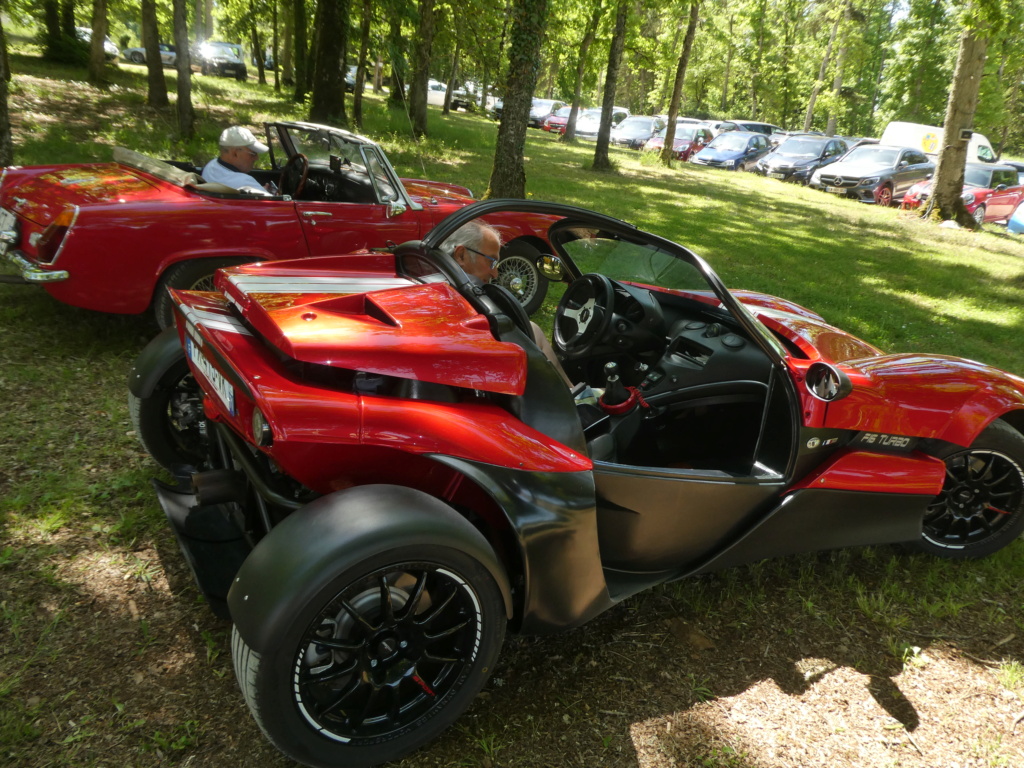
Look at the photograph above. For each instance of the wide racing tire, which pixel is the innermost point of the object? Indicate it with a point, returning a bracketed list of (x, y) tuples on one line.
[(191, 275), (378, 662), (980, 509), (519, 260)]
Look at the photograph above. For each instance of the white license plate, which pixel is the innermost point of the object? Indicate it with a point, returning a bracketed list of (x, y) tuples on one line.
[(221, 386), (836, 190), (776, 175)]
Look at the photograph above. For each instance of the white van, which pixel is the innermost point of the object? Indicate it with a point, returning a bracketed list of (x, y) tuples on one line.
[(928, 138)]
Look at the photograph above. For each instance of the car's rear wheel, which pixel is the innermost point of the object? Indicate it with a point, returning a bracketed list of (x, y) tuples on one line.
[(518, 271), (381, 661), (981, 506), (137, 57), (170, 421), (979, 216), (191, 275), (884, 196)]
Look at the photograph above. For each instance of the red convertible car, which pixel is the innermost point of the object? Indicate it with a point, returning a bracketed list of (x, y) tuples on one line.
[(380, 471), (113, 237), (991, 192)]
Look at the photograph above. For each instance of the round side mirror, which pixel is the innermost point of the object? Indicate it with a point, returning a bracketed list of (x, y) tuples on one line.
[(826, 382)]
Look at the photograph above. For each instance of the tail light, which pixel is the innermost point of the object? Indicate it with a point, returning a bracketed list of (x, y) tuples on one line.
[(49, 244)]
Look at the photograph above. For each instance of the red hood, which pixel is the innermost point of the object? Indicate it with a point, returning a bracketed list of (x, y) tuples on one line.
[(39, 194), (437, 192)]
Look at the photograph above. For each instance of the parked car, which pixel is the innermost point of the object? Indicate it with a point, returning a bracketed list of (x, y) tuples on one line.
[(223, 60), (733, 150), (753, 126), (991, 192), (721, 126), (466, 97), (168, 55), (350, 78), (113, 237), (387, 474), (689, 138), (495, 110), (555, 123), (588, 124), (109, 49), (874, 173), (635, 131), (796, 158), (541, 110)]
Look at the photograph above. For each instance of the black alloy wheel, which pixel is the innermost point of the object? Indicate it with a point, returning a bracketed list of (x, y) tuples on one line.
[(981, 506), (170, 422)]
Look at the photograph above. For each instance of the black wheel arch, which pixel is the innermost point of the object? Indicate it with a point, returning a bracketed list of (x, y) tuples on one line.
[(159, 356), (301, 555)]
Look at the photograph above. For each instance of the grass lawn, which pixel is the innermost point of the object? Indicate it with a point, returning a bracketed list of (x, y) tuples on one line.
[(864, 657)]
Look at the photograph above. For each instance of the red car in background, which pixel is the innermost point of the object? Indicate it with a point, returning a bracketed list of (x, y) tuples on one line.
[(113, 237), (991, 192), (555, 123), (689, 138)]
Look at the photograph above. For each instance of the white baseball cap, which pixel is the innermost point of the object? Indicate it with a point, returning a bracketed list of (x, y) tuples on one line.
[(237, 136)]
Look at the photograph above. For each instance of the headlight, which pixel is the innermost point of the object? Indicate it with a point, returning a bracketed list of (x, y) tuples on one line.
[(872, 180), (967, 197)]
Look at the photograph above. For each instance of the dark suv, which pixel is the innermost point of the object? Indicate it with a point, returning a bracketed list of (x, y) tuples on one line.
[(223, 59)]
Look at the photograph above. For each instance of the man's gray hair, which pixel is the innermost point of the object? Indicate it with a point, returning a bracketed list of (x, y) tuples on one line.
[(469, 235)]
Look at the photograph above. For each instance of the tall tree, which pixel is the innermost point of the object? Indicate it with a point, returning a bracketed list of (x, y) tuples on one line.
[(948, 184), (611, 79), (6, 142), (822, 71), (668, 150), (508, 174), (364, 46), (186, 115), (299, 51), (589, 33), (328, 99), (420, 77), (157, 86), (396, 52), (98, 56)]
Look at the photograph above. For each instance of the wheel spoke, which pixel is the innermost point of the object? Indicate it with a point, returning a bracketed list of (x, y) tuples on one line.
[(447, 632), (437, 610), (358, 616), (386, 606), (354, 684), (414, 597), (333, 674)]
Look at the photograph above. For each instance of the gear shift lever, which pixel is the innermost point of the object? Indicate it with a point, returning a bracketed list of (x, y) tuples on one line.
[(615, 392)]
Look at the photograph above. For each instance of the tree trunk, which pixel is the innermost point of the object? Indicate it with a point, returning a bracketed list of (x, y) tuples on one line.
[(287, 65), (328, 100), (452, 79), (728, 68), (611, 80), (199, 23), (51, 23), (420, 77), (396, 44), (668, 150), (157, 86), (97, 56), (508, 174), (67, 18), (755, 75), (186, 115), (822, 71), (257, 47), (6, 142), (837, 81), (299, 48), (275, 51), (364, 47), (963, 100), (581, 66)]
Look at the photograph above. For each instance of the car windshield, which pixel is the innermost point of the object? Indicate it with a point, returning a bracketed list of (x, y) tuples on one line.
[(978, 177), (684, 132), (635, 126), (541, 106), (563, 112), (875, 155), (801, 147), (730, 141)]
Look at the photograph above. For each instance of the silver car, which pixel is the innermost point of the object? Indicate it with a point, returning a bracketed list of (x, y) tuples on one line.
[(874, 173), (168, 55)]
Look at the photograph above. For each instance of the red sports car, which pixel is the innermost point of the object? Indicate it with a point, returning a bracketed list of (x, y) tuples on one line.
[(113, 237), (991, 192), (382, 470), (555, 123)]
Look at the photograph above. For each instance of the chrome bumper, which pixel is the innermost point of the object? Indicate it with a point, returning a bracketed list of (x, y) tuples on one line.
[(32, 273)]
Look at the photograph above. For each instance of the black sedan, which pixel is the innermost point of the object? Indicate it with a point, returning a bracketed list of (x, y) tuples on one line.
[(799, 156), (635, 131)]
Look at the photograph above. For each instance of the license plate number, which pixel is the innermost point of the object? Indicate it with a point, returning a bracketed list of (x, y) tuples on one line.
[(836, 190), (221, 386), (776, 175)]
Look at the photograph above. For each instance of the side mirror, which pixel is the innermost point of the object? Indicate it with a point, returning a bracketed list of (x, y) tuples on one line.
[(551, 267), (394, 209), (826, 382), (1001, 188), (903, 164)]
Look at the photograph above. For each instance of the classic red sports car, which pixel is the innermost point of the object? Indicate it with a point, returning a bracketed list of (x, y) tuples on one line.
[(382, 471), (113, 237), (991, 192)]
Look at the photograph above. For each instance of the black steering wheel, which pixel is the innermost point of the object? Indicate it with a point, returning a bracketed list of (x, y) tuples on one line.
[(293, 175), (584, 314)]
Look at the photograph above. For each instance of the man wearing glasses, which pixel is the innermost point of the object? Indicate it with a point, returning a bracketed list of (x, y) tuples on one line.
[(476, 247), (239, 151)]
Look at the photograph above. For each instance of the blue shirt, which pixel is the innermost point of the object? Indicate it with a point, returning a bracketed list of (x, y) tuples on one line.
[(219, 172)]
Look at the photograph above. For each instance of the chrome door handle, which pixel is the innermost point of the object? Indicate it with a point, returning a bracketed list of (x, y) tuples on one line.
[(315, 213)]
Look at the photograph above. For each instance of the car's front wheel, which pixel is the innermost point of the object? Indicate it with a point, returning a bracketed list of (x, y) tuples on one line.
[(979, 216), (378, 663), (191, 275), (137, 57), (884, 196), (518, 271), (981, 506)]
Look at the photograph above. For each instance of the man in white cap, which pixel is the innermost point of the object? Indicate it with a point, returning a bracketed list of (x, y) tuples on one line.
[(239, 151)]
